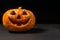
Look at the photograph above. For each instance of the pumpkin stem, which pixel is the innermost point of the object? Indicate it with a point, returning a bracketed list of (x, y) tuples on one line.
[(19, 7)]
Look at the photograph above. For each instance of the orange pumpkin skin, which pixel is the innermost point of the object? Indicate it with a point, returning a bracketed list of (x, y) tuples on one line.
[(18, 19)]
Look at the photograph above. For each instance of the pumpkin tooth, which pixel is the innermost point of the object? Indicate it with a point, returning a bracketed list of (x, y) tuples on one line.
[(25, 22), (14, 22), (27, 17), (19, 24)]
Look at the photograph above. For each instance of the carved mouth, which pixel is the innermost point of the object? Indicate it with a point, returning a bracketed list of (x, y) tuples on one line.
[(19, 23)]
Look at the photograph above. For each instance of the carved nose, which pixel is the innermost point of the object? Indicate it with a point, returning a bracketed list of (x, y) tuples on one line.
[(18, 17)]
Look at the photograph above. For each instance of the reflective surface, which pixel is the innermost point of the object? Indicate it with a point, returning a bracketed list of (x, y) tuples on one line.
[(40, 32)]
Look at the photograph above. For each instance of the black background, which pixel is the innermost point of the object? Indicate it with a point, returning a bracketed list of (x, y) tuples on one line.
[(45, 11)]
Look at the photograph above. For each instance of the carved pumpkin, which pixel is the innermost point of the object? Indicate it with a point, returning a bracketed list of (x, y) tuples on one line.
[(18, 19)]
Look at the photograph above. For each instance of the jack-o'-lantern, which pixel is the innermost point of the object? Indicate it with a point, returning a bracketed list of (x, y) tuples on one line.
[(18, 19)]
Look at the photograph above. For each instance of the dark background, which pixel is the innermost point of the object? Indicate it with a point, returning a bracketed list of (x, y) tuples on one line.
[(46, 12)]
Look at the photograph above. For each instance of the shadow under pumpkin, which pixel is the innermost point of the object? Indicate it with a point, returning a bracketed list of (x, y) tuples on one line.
[(34, 30)]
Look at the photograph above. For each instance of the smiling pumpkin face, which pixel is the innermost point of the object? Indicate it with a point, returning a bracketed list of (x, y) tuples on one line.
[(18, 19)]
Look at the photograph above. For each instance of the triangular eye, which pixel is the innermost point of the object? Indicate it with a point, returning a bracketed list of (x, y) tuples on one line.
[(24, 13), (13, 13)]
